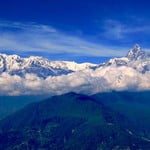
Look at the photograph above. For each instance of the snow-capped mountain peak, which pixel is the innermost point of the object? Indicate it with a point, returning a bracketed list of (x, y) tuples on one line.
[(42, 67), (136, 59), (136, 53)]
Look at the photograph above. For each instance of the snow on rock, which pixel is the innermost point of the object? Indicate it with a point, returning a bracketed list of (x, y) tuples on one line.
[(136, 59), (15, 65)]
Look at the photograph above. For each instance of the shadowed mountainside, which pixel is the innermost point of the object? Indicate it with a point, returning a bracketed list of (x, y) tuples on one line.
[(71, 121)]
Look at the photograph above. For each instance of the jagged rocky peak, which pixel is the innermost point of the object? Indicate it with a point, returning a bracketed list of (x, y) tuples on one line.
[(136, 53)]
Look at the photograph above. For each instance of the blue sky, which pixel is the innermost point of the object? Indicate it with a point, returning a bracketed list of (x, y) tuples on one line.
[(87, 30)]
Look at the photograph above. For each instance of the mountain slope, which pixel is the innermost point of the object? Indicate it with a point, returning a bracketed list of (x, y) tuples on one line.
[(70, 121), (133, 105)]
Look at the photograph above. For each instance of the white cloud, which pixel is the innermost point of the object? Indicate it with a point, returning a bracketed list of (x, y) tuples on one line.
[(32, 37), (118, 30), (87, 82)]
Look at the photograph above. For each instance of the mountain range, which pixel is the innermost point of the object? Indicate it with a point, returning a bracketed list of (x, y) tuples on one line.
[(26, 76), (16, 65)]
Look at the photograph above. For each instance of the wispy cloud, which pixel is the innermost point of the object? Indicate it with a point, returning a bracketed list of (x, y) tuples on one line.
[(33, 37), (118, 30)]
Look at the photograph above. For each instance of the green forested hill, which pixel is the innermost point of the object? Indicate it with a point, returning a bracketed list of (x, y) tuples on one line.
[(70, 122)]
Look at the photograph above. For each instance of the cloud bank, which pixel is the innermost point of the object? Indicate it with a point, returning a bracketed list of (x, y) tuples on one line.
[(86, 82)]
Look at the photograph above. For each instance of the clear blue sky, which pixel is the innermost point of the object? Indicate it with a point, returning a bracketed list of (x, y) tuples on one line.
[(79, 30)]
